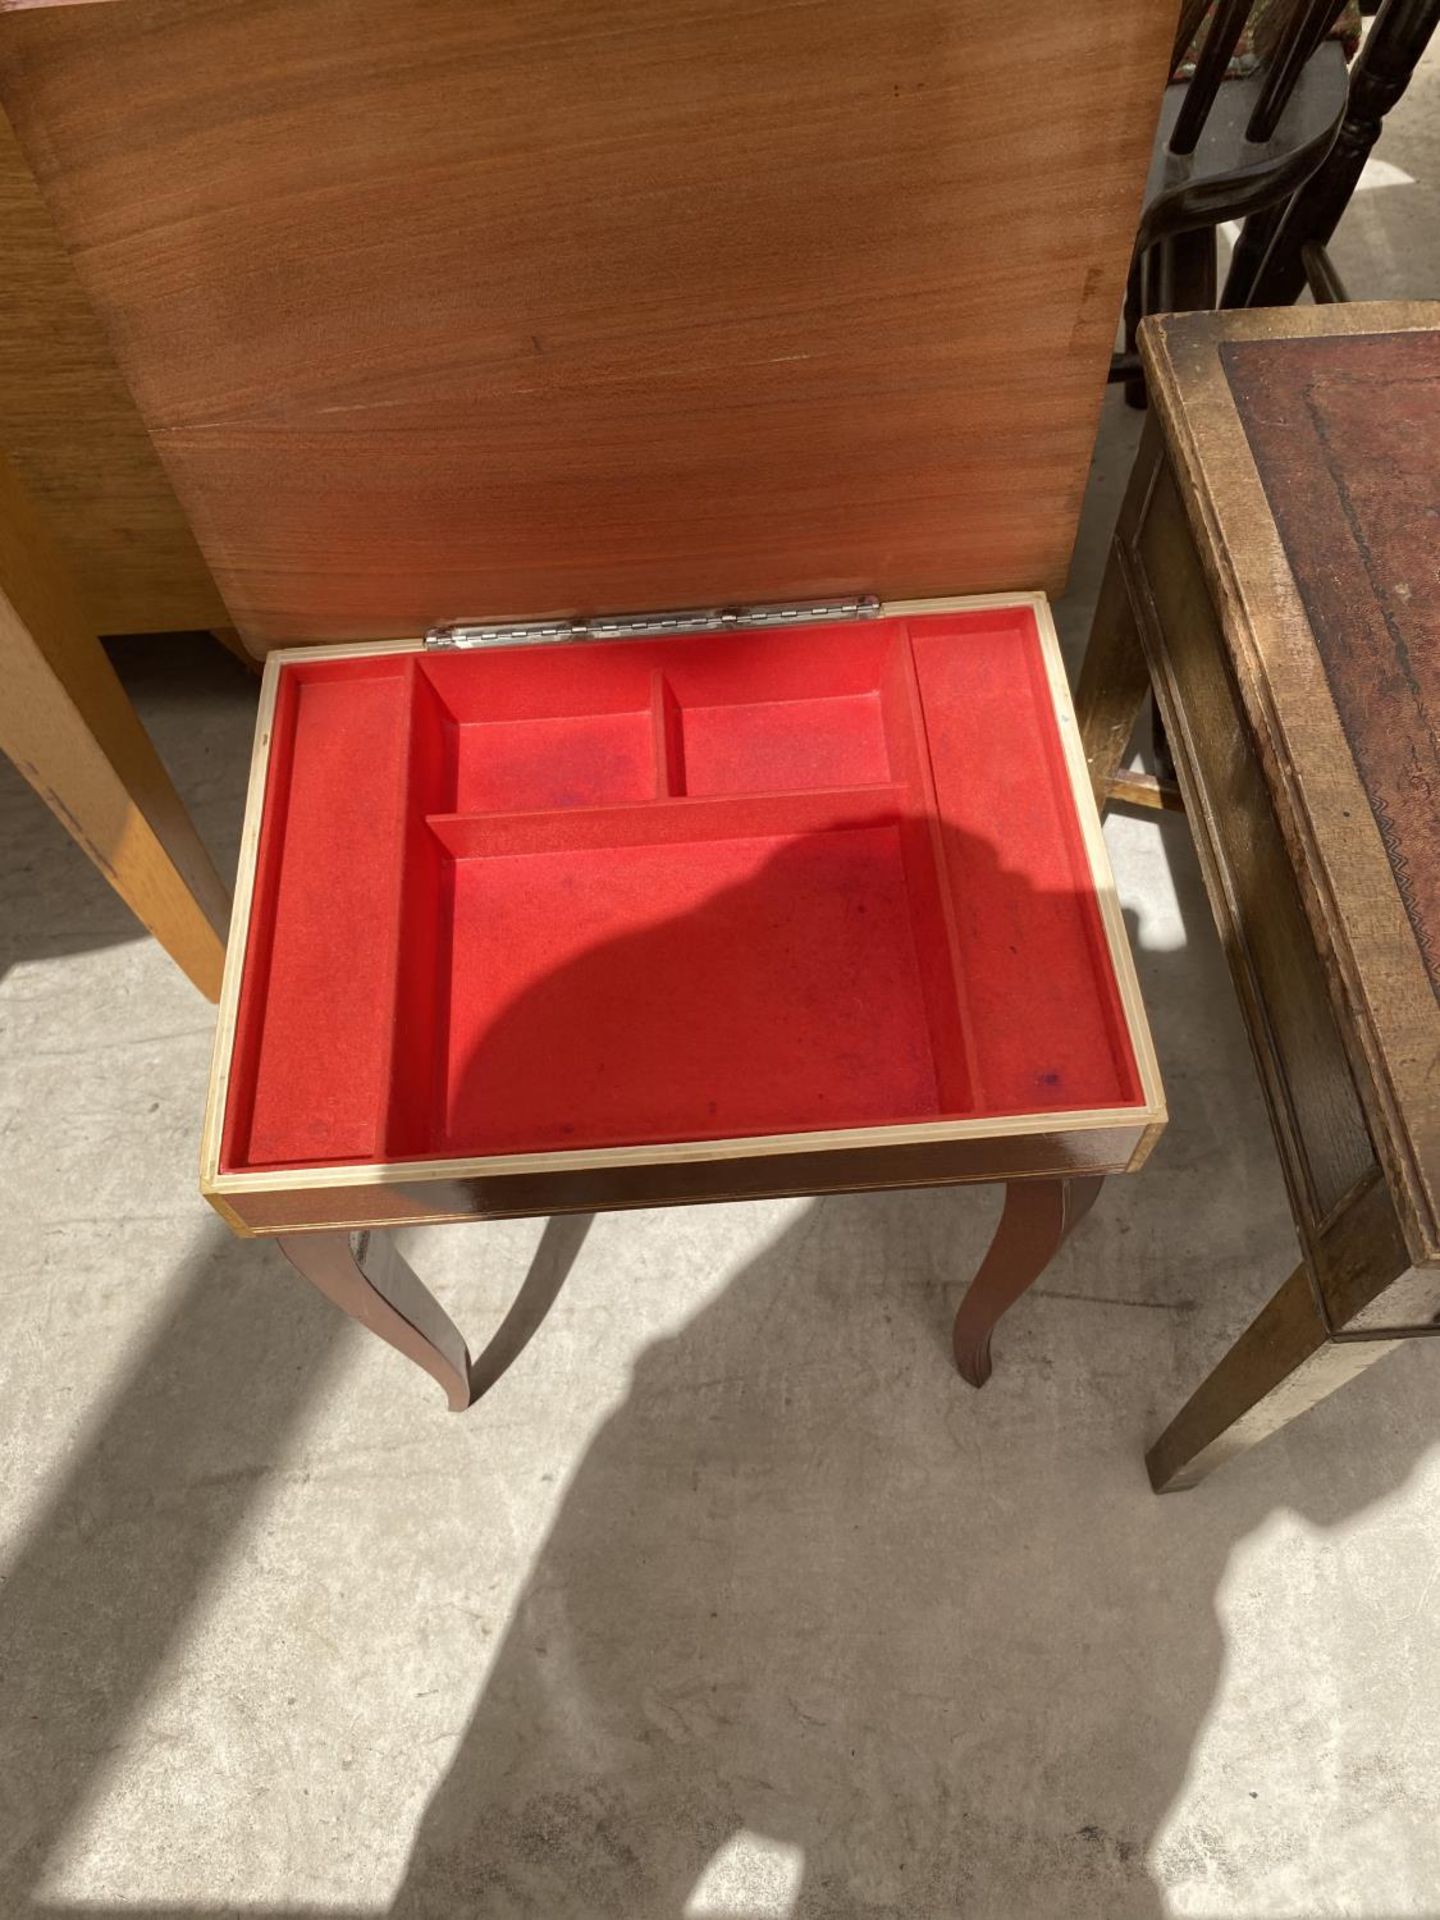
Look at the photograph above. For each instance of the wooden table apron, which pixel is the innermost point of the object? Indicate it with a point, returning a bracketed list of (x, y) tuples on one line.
[(1315, 885)]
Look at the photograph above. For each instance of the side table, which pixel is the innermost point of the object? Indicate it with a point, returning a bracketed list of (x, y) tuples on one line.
[(763, 906), (1273, 579)]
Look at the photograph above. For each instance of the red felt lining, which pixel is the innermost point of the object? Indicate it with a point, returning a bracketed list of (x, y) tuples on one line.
[(649, 891)]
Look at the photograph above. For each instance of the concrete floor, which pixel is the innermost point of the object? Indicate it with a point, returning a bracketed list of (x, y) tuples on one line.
[(731, 1600)]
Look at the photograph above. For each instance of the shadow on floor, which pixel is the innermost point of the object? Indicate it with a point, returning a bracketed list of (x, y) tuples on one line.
[(798, 1590), (928, 1653), (103, 1587), (864, 1634)]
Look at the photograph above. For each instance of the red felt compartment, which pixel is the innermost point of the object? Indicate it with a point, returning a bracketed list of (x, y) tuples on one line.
[(708, 988), (760, 747), (585, 760), (312, 1045), (574, 897)]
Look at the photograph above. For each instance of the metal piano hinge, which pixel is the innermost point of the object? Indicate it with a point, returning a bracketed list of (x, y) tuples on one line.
[(654, 626)]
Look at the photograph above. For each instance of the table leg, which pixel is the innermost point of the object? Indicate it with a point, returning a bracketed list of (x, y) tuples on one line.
[(1113, 680), (68, 726), (364, 1276), (1286, 1361), (1038, 1217)]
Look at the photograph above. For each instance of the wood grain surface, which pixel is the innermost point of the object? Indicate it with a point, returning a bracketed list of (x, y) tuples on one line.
[(438, 310), (1346, 434), (70, 429)]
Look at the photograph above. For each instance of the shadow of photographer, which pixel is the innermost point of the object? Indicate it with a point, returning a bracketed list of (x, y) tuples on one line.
[(817, 1630)]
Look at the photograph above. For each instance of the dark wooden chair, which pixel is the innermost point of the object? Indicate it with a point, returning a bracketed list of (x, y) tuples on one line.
[(1282, 249), (1226, 149)]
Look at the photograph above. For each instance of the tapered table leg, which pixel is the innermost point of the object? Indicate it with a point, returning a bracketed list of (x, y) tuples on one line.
[(68, 725), (1284, 1363), (1038, 1217)]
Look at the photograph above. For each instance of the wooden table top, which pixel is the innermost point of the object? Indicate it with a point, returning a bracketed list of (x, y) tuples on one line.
[(72, 433), (1306, 443)]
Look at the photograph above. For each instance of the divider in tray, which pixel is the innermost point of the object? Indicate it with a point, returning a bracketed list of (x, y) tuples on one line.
[(621, 723), (703, 959)]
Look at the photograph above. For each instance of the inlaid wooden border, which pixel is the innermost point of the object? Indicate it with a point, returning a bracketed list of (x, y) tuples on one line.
[(1143, 1121)]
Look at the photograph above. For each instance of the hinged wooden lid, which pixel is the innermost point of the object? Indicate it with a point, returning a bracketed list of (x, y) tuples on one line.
[(440, 311)]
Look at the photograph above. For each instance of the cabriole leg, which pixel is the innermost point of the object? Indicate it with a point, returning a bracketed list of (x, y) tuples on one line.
[(1038, 1217)]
